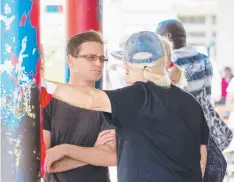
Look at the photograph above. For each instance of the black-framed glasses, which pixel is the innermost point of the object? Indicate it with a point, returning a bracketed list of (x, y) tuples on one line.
[(92, 57)]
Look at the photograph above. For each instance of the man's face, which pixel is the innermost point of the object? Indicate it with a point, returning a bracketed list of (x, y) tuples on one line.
[(88, 65)]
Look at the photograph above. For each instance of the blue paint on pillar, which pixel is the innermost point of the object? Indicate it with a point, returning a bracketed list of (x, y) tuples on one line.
[(19, 97), (67, 72)]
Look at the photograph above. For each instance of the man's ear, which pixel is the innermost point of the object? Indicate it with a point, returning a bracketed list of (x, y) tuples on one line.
[(70, 61)]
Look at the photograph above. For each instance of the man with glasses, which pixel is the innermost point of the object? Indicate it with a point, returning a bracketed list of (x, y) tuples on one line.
[(65, 124)]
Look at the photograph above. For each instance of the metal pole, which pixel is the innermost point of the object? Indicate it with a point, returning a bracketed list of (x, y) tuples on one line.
[(83, 15), (20, 91)]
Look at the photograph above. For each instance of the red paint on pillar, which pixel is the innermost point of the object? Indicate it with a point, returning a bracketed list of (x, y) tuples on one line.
[(35, 21), (45, 97), (23, 20), (82, 16)]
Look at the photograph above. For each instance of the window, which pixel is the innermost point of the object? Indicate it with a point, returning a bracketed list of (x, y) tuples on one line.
[(196, 34), (192, 19)]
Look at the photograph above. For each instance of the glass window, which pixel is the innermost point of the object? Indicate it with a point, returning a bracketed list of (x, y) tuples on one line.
[(192, 19), (196, 34)]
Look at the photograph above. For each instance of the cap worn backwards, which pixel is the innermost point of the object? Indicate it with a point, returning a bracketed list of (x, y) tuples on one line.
[(143, 48)]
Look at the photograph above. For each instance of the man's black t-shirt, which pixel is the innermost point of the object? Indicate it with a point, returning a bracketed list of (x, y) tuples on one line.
[(159, 133), (76, 126)]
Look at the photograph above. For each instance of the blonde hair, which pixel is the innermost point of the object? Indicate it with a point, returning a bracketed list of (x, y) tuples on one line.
[(160, 78), (154, 72), (175, 72)]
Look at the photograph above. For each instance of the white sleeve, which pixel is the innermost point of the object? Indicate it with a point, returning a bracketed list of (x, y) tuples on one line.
[(230, 87), (49, 86)]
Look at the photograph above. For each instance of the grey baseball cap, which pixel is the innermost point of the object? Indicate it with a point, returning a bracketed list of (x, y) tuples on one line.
[(141, 48)]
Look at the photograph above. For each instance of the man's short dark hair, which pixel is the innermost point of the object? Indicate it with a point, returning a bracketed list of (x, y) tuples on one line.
[(174, 30), (74, 43)]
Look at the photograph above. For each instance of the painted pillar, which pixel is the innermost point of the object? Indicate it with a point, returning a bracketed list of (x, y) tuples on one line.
[(83, 15), (20, 90)]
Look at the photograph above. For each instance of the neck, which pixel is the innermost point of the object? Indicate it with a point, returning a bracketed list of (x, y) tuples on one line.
[(81, 82)]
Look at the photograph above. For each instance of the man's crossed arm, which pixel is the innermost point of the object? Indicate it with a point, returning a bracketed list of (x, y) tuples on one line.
[(66, 157)]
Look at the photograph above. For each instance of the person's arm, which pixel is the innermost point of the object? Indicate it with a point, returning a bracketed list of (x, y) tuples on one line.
[(123, 103), (106, 137), (83, 97), (102, 155), (65, 164), (203, 161), (107, 133)]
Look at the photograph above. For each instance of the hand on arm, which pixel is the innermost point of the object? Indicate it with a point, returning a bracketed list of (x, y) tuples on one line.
[(102, 155), (64, 164), (57, 161), (106, 137)]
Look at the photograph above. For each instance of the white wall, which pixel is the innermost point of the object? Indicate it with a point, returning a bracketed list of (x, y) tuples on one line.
[(225, 33), (53, 40)]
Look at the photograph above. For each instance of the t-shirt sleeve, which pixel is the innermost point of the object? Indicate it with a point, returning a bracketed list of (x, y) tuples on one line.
[(104, 124), (126, 103), (204, 129), (47, 116)]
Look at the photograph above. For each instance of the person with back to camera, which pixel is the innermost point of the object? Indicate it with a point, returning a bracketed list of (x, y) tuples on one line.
[(198, 72), (161, 129)]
